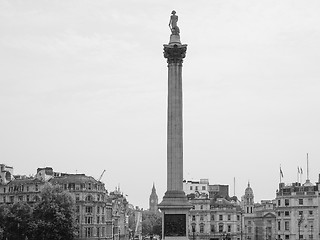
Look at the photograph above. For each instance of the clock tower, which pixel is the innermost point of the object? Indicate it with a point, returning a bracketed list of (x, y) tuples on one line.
[(153, 200)]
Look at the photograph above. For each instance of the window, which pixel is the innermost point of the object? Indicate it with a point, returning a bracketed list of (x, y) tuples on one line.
[(286, 213), (286, 202), (88, 209), (98, 232), (229, 217), (286, 226), (201, 228), (300, 213), (98, 219), (220, 227), (279, 226), (249, 222), (98, 209), (196, 188), (88, 232), (249, 229), (11, 198), (77, 197), (103, 231), (193, 217), (238, 217), (190, 187), (220, 217), (279, 202), (4, 190), (77, 208), (89, 186), (201, 207), (310, 212), (102, 219), (20, 198), (203, 187), (28, 198), (212, 217), (37, 188), (201, 217), (229, 228), (212, 228), (89, 198), (301, 201), (4, 199), (88, 220), (287, 236)]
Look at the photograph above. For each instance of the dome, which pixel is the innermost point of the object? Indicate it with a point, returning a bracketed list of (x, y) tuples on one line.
[(248, 190)]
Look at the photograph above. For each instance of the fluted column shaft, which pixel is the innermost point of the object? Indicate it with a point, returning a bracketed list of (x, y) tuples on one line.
[(175, 54)]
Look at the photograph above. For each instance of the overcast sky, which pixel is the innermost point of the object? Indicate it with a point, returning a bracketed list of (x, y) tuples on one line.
[(83, 88)]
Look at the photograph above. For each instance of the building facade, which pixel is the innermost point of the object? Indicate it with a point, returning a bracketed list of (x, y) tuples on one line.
[(259, 219), (297, 211), (93, 210)]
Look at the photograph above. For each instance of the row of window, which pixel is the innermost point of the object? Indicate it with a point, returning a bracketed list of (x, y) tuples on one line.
[(219, 217), (287, 226), (21, 188), (83, 186), (20, 198), (89, 219), (219, 228), (100, 232), (299, 201), (90, 210), (90, 198), (196, 188), (287, 213)]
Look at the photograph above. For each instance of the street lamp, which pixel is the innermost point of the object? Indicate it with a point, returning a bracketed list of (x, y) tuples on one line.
[(193, 231)]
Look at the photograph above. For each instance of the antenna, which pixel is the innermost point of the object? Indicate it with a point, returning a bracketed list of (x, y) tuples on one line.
[(234, 186)]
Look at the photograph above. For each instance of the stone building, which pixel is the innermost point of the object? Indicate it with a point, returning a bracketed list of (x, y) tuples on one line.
[(196, 187), (259, 219), (214, 218), (93, 211), (297, 211)]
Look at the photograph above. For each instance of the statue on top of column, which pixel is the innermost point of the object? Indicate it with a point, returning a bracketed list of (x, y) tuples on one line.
[(173, 23)]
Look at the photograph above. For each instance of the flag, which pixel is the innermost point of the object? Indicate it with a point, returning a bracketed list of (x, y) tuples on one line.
[(301, 171), (298, 170), (281, 173)]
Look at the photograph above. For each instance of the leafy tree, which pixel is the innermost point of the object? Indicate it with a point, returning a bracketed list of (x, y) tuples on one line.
[(54, 215), (16, 221), (151, 223)]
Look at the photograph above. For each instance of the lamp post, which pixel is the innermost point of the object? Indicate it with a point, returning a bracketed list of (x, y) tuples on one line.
[(193, 231)]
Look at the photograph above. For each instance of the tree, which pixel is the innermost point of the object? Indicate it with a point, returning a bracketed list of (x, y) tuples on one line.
[(53, 215), (16, 221), (151, 223)]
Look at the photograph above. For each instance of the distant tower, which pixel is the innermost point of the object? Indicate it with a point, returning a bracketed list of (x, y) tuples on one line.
[(248, 200), (153, 200)]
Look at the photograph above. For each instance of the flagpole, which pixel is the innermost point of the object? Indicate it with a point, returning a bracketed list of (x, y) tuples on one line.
[(307, 167)]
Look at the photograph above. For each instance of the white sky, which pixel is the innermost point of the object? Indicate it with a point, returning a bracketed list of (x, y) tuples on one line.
[(83, 87)]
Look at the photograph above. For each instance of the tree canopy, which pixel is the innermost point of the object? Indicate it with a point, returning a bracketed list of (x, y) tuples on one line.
[(51, 218)]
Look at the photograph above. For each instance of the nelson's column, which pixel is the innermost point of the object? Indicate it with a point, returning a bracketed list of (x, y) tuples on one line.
[(174, 206)]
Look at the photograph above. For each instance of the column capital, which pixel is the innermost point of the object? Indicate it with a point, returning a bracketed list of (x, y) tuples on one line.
[(174, 53)]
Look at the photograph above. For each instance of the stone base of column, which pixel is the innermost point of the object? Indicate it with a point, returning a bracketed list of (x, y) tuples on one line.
[(175, 215)]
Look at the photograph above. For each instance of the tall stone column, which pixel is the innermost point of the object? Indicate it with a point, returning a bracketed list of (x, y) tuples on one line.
[(175, 206)]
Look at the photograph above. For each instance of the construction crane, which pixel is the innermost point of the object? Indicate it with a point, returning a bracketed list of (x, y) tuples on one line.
[(101, 175)]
